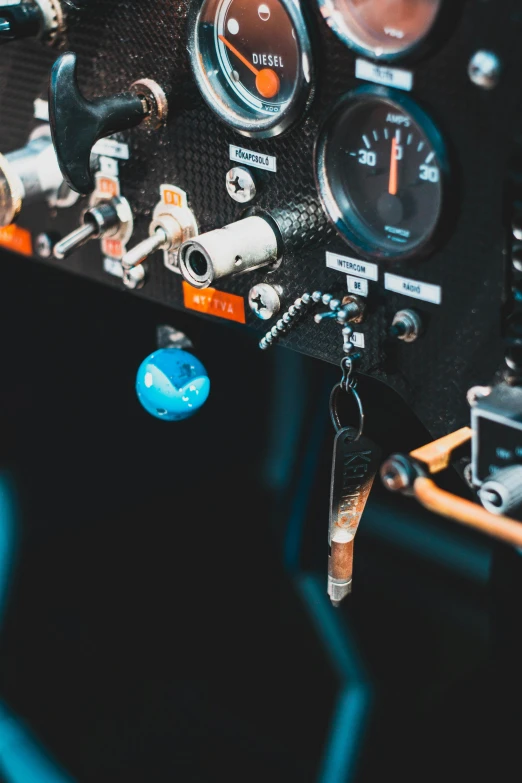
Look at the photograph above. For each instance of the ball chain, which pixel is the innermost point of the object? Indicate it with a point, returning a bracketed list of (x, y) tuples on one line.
[(300, 307)]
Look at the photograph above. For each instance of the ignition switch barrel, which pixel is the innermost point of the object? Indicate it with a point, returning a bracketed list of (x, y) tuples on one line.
[(239, 247)]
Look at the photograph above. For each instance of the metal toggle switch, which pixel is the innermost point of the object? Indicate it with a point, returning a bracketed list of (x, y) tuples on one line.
[(106, 219), (171, 226)]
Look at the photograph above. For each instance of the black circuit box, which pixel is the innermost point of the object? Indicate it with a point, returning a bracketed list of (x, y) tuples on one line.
[(496, 421)]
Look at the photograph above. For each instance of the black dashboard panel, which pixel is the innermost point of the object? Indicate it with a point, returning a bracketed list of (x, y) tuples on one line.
[(120, 41)]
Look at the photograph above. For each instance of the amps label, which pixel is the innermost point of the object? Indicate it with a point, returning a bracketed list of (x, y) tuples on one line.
[(17, 239), (383, 74), (256, 159), (213, 302), (403, 285), (352, 266)]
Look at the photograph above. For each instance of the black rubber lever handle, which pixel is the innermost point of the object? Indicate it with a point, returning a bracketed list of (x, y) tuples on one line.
[(77, 124)]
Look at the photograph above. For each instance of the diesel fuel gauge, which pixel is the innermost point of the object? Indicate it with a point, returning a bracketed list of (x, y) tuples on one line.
[(252, 62)]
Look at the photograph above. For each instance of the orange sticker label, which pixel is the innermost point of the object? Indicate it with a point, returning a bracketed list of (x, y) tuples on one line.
[(106, 186), (112, 248), (172, 196), (214, 302), (17, 239)]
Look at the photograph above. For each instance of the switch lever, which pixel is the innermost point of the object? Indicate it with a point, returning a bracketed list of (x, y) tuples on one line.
[(103, 220)]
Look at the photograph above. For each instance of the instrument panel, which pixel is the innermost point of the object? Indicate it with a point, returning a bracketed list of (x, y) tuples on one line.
[(364, 135)]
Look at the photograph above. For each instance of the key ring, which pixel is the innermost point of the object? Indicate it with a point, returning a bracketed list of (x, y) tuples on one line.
[(348, 383)]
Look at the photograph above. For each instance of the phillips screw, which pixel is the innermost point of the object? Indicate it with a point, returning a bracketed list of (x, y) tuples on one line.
[(241, 185)]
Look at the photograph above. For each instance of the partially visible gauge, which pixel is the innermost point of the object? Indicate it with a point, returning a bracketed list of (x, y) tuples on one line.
[(385, 29), (252, 62), (381, 170)]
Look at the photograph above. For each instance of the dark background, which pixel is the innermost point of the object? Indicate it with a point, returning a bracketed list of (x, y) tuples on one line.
[(158, 628)]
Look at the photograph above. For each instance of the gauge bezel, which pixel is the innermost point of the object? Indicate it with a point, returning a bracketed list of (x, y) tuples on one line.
[(231, 111), (419, 47), (347, 230)]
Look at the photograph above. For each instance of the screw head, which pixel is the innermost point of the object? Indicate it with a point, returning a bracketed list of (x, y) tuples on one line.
[(396, 474), (476, 394), (43, 246), (241, 185), (134, 278), (484, 69), (264, 301)]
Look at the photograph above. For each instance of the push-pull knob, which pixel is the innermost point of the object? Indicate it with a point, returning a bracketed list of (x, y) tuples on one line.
[(35, 19), (106, 219), (77, 123)]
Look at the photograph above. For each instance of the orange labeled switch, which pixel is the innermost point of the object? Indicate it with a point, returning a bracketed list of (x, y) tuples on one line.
[(213, 302), (112, 248), (107, 187), (172, 196)]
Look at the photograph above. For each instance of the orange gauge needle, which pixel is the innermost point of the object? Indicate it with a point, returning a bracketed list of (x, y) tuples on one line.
[(394, 169), (267, 80)]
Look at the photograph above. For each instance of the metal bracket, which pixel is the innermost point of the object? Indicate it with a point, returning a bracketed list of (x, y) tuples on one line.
[(168, 337)]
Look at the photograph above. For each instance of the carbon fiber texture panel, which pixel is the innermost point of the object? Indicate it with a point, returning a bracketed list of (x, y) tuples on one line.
[(119, 41)]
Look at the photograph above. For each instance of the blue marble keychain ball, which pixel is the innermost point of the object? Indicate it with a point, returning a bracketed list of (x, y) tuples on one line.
[(172, 384)]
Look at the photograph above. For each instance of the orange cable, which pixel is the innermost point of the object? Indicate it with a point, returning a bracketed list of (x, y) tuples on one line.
[(467, 513)]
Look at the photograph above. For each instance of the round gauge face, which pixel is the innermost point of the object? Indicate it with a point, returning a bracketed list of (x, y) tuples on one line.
[(381, 28), (252, 62), (380, 167)]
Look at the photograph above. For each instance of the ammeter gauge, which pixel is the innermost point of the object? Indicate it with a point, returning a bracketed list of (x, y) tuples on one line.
[(252, 62), (384, 29), (381, 170)]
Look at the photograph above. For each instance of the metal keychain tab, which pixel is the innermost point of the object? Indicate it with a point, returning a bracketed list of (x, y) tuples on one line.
[(356, 460)]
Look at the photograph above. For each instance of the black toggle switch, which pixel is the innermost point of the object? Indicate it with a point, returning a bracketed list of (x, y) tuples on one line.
[(20, 21), (77, 123)]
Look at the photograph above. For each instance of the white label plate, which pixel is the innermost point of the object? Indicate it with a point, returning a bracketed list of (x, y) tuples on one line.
[(417, 290), (41, 110), (113, 267), (354, 265), (112, 149), (256, 159), (357, 286), (383, 74), (358, 340), (109, 166)]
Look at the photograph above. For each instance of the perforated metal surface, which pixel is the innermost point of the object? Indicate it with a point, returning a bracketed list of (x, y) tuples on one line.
[(119, 41)]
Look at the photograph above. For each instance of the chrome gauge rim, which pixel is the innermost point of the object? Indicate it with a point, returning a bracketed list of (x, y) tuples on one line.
[(213, 65), (346, 206), (346, 28)]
